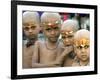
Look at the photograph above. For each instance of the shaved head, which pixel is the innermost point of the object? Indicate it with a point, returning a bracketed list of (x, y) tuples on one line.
[(70, 25), (29, 16), (50, 17), (83, 33), (82, 46), (31, 24)]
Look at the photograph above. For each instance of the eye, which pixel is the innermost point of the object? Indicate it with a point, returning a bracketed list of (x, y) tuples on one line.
[(70, 36), (79, 47), (33, 27), (63, 37), (26, 28), (86, 46), (56, 28), (48, 29)]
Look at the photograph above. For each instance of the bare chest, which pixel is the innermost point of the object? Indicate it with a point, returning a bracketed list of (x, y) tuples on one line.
[(47, 55)]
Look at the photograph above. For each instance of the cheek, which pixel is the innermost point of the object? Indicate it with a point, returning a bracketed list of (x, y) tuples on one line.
[(26, 32), (45, 33), (57, 32), (72, 40), (36, 31), (88, 51), (77, 52)]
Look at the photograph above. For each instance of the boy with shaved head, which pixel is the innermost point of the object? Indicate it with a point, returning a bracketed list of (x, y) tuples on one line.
[(31, 23), (46, 53), (68, 29), (82, 48)]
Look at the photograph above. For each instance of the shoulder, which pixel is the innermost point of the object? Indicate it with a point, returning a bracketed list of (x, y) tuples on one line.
[(39, 43)]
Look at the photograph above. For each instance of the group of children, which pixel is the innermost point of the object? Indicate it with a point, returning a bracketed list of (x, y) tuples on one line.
[(72, 50)]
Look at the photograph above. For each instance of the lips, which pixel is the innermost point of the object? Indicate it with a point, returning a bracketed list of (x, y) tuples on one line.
[(84, 56), (53, 38), (67, 43)]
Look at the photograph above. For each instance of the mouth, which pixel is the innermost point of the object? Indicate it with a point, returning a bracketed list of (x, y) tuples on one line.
[(84, 56), (53, 38), (67, 44)]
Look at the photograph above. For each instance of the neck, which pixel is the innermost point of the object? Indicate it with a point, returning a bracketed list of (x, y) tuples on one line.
[(51, 46)]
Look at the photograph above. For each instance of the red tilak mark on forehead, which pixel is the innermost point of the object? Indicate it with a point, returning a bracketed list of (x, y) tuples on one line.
[(51, 25), (66, 32)]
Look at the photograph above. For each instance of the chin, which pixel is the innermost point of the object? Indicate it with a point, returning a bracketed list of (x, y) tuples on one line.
[(85, 59), (53, 41)]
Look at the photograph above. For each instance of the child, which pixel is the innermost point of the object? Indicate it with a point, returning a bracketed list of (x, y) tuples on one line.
[(30, 22), (45, 53), (68, 29), (82, 48)]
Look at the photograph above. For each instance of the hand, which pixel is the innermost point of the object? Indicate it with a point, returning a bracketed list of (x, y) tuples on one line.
[(67, 50)]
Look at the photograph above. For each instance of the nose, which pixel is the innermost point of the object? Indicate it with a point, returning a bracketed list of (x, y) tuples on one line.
[(30, 30), (83, 50), (52, 32), (66, 40)]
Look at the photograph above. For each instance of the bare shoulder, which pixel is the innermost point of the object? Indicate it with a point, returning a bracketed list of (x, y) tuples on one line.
[(39, 43)]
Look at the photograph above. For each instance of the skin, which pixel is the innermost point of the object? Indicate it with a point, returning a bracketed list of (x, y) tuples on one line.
[(67, 41), (49, 53), (67, 38), (83, 55), (50, 49), (31, 29), (82, 50), (69, 27)]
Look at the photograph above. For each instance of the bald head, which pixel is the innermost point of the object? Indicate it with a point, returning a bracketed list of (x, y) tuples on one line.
[(83, 33), (70, 25), (49, 17), (31, 24), (32, 17), (82, 37)]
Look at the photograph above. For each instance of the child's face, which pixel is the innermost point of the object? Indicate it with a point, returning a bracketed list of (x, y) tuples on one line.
[(82, 49), (52, 30), (67, 37), (30, 29)]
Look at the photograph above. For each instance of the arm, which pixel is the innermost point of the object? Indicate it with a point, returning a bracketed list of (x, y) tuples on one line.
[(65, 53)]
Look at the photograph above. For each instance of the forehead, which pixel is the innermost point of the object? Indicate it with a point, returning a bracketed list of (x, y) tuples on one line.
[(29, 23), (51, 20), (68, 28), (53, 24), (82, 41), (67, 32)]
